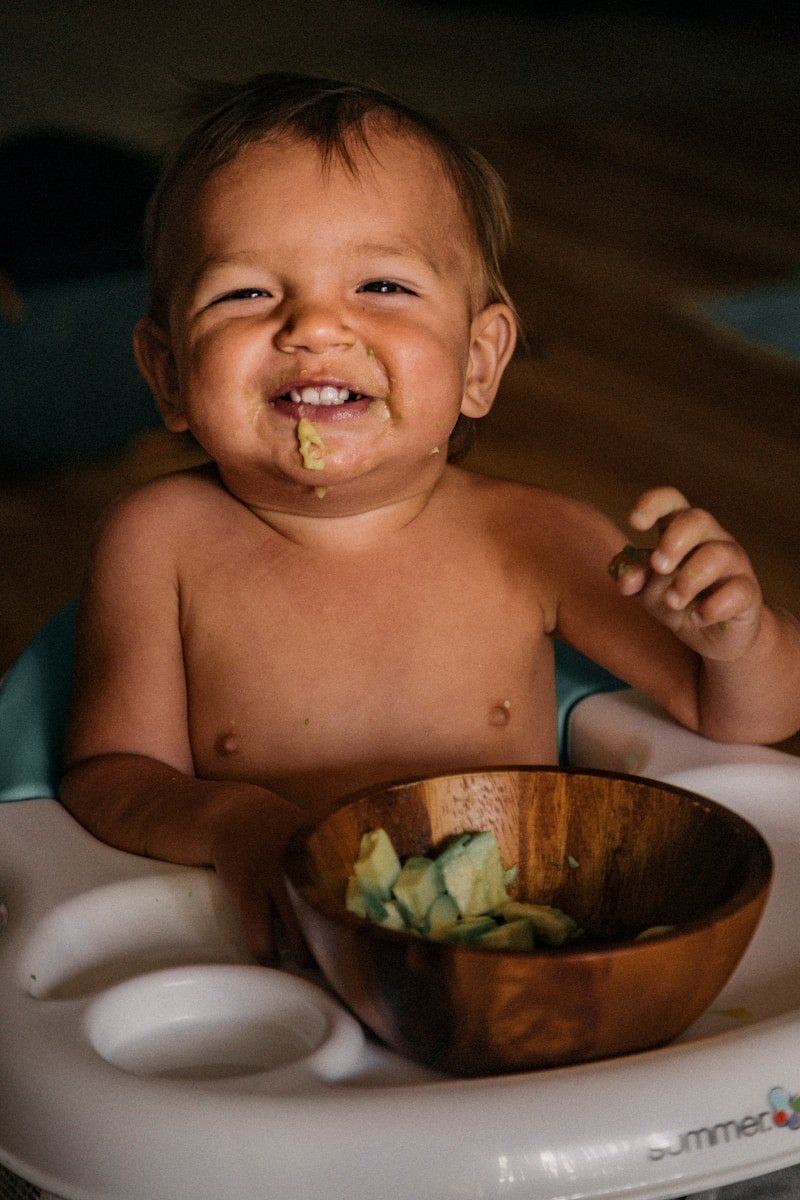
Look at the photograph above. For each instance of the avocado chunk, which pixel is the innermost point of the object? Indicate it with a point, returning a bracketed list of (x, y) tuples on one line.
[(441, 915), (377, 866), (550, 925), (515, 935), (365, 902), (467, 930), (473, 874), (394, 917), (416, 888)]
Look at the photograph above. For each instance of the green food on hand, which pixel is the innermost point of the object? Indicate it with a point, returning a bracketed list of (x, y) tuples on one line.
[(628, 559)]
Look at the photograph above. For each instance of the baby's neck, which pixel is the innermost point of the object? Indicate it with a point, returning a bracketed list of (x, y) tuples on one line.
[(345, 531)]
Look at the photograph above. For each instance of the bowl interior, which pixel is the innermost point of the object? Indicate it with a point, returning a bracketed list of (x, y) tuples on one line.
[(616, 853)]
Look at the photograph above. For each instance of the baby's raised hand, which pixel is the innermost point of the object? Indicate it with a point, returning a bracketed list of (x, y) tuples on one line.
[(696, 580)]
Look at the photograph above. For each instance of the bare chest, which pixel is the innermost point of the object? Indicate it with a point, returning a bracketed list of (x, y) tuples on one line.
[(315, 677)]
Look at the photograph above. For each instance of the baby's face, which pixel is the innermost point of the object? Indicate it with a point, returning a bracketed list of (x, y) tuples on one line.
[(341, 298)]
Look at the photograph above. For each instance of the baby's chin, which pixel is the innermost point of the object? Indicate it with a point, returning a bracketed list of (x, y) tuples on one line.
[(340, 490)]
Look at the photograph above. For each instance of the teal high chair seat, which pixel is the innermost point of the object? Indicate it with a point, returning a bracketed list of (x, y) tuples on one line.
[(35, 697)]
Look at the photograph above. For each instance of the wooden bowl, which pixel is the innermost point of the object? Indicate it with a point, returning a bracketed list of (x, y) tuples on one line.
[(619, 854)]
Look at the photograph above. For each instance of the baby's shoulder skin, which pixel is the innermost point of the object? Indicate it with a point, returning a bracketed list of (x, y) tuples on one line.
[(538, 517), (166, 502), (157, 527)]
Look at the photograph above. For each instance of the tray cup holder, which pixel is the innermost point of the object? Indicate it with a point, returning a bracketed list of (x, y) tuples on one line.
[(221, 1022)]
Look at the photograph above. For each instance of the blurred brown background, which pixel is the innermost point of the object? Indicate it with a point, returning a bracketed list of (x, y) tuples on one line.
[(653, 164)]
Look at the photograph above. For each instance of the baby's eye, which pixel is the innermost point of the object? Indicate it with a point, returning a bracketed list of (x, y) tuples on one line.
[(384, 287), (241, 294)]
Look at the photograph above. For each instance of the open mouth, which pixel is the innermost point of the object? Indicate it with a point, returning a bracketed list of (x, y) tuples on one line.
[(321, 402), (328, 396)]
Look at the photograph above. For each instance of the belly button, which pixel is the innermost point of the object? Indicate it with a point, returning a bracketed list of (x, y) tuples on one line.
[(226, 744), (500, 714)]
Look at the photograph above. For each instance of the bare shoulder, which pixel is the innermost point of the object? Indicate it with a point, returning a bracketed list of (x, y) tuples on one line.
[(540, 520), (159, 512), (179, 494)]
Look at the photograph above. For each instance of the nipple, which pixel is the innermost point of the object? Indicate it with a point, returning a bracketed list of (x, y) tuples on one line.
[(500, 714), (227, 744)]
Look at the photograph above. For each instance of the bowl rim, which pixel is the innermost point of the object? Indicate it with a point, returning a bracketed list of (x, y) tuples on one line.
[(757, 884)]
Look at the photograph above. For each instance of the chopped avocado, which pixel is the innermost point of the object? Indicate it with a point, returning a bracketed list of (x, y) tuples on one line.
[(394, 918), (467, 930), (654, 931), (417, 886), (514, 935), (473, 874), (551, 926), (453, 848), (460, 896), (441, 915), (365, 901), (355, 898), (377, 866)]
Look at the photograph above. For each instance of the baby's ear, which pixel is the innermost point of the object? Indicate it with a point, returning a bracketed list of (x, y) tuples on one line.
[(493, 336), (156, 362)]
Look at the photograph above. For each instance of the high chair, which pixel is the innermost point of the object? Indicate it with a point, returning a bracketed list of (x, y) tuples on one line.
[(143, 1055)]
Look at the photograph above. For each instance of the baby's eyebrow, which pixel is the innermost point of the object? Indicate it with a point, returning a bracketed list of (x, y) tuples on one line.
[(399, 250), (216, 262)]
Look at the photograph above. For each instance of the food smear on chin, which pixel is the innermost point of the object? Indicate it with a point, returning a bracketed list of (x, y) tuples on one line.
[(312, 447)]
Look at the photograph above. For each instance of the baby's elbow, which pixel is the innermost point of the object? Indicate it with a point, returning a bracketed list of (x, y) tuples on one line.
[(722, 725), (746, 730)]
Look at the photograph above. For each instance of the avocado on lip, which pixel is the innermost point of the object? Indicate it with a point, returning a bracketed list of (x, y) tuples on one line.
[(312, 447)]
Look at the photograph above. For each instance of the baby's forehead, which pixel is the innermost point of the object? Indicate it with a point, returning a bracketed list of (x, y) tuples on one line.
[(395, 169), (362, 154)]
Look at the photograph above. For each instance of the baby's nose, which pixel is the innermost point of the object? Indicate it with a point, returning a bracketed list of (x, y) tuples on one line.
[(315, 327)]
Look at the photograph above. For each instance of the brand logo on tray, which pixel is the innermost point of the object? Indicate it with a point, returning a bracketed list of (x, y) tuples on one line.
[(783, 1113), (785, 1108)]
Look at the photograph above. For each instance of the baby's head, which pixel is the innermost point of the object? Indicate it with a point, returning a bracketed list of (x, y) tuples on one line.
[(339, 119)]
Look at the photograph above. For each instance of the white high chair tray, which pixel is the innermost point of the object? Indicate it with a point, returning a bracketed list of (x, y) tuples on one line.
[(143, 1058)]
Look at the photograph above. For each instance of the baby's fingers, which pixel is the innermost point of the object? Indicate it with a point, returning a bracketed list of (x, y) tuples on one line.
[(656, 506), (269, 924), (731, 601), (709, 565)]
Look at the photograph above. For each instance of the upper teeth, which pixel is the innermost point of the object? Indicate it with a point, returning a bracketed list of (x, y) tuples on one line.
[(319, 395)]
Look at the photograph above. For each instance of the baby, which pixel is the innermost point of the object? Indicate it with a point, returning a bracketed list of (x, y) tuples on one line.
[(332, 602)]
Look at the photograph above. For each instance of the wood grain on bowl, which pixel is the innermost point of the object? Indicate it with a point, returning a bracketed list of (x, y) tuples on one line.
[(618, 854)]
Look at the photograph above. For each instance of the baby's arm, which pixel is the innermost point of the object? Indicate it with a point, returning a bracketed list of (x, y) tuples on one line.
[(142, 805), (699, 583), (129, 774)]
